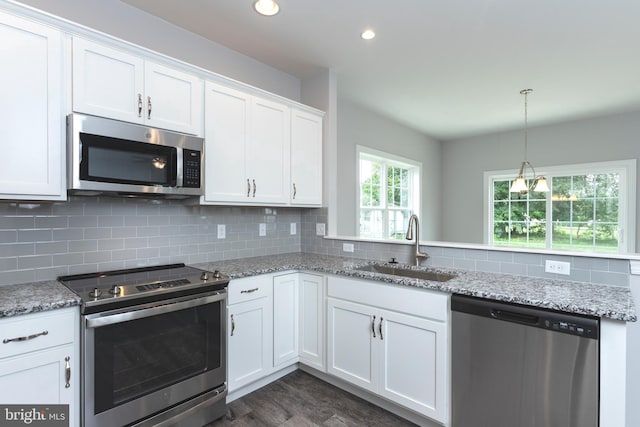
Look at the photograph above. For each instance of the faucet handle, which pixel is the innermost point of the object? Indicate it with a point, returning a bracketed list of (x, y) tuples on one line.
[(393, 261)]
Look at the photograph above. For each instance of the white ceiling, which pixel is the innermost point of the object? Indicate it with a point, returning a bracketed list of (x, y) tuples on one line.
[(449, 68)]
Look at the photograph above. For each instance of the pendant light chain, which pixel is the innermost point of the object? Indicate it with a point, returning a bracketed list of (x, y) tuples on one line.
[(526, 92)]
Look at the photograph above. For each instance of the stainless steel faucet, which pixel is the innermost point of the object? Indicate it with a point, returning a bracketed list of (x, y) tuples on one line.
[(415, 223)]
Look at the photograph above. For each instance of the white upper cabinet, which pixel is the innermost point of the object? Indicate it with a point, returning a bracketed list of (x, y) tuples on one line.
[(247, 146), (306, 158), (32, 131), (112, 83)]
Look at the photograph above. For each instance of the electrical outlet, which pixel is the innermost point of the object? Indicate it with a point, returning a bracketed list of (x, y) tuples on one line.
[(320, 229), (292, 228), (222, 231), (557, 267), (262, 230), (347, 247)]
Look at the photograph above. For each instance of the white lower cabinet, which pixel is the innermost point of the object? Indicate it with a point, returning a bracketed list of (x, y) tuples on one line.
[(42, 368), (311, 320), (250, 330), (393, 342), (285, 319)]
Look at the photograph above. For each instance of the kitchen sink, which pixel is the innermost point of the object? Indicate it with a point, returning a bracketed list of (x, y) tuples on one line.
[(406, 272)]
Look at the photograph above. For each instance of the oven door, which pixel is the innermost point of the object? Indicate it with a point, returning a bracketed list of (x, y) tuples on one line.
[(143, 360)]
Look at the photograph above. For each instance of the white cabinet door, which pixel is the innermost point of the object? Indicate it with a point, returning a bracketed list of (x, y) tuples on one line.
[(173, 99), (249, 342), (350, 348), (311, 289), (38, 377), (107, 82), (306, 158), (268, 151), (226, 133), (32, 132), (285, 319), (414, 369)]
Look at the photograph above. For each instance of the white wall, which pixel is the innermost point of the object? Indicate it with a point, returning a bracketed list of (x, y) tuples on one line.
[(133, 25), (357, 126), (465, 160)]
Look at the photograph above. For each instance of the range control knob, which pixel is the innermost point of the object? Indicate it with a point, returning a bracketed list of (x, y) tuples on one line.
[(115, 290), (95, 293), (204, 275), (216, 274)]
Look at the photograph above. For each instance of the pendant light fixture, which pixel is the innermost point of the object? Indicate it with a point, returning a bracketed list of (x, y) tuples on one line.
[(538, 183)]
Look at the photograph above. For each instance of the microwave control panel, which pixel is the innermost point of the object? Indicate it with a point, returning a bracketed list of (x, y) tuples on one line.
[(191, 168)]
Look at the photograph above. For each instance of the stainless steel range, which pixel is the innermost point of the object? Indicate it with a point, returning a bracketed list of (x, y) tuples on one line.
[(153, 346)]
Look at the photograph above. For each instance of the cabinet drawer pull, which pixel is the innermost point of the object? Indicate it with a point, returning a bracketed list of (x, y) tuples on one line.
[(254, 188), (67, 372), (149, 107), (380, 328), (248, 291), (373, 326), (233, 325), (139, 105), (27, 338), (248, 187), (295, 191)]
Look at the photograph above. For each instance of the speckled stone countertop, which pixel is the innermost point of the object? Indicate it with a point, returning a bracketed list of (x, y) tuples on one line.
[(574, 297), (28, 298)]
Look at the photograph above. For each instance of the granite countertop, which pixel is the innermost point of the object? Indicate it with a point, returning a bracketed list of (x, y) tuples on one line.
[(33, 297), (613, 302)]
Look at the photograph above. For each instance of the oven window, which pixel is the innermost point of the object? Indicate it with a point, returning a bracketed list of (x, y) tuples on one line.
[(141, 356), (119, 161)]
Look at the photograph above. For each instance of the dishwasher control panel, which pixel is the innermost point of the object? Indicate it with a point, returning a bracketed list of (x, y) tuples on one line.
[(580, 329)]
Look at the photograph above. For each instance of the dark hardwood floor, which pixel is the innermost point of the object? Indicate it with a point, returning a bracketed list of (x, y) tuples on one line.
[(302, 400)]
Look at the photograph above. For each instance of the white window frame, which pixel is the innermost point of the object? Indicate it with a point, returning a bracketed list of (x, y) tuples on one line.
[(393, 160), (626, 207)]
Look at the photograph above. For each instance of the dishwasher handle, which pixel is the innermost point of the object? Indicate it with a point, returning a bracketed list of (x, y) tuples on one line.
[(511, 316)]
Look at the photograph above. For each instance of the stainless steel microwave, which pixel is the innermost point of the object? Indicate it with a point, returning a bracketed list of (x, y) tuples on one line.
[(111, 157)]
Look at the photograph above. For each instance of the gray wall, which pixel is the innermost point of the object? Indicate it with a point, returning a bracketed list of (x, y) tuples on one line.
[(464, 161), (133, 25), (357, 126)]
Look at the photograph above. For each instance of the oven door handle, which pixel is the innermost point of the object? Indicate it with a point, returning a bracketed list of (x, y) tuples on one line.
[(103, 320)]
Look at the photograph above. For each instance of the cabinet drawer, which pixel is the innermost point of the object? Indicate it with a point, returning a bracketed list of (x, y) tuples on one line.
[(58, 325), (249, 288), (418, 302)]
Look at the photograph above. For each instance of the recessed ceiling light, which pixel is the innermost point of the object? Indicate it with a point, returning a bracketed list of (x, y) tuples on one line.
[(266, 7), (368, 34)]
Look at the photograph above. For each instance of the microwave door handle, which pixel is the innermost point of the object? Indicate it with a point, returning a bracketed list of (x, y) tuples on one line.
[(97, 322)]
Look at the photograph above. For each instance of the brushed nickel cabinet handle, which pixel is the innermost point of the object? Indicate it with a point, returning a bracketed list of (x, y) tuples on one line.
[(373, 326), (67, 372), (254, 188), (295, 191), (149, 107), (248, 291), (380, 328), (233, 325), (25, 338), (139, 105), (248, 188)]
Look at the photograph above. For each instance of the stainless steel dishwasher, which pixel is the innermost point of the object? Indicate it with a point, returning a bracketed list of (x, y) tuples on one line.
[(518, 366)]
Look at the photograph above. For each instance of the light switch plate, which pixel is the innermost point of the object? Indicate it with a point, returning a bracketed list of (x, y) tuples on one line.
[(262, 230), (348, 247), (292, 228), (320, 229), (222, 231)]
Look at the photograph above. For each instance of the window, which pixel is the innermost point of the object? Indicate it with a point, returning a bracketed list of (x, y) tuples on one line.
[(389, 192), (590, 207)]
